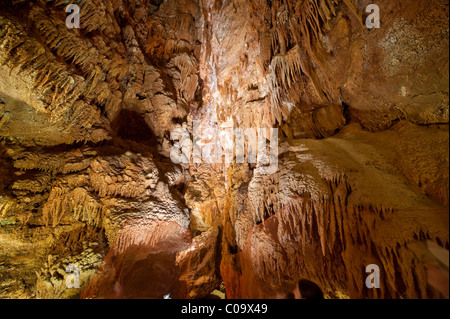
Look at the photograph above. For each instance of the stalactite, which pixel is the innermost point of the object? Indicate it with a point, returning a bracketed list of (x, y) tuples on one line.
[(77, 202), (63, 41), (304, 23), (6, 205), (185, 78), (71, 161), (154, 242), (311, 229), (38, 184), (136, 233), (46, 70), (120, 177)]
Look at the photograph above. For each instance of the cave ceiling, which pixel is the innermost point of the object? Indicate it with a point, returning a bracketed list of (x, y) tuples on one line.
[(223, 146)]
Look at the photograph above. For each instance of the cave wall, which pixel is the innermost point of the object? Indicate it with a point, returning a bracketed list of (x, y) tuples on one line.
[(375, 100), (86, 121), (86, 116)]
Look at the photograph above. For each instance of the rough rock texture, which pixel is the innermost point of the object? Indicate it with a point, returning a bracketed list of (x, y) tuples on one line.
[(322, 73), (328, 226), (85, 115), (154, 259), (85, 122)]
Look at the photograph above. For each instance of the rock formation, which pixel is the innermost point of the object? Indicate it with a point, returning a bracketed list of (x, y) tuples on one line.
[(87, 179)]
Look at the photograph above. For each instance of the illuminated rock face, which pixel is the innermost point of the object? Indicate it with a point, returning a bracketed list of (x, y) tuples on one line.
[(86, 177), (154, 259)]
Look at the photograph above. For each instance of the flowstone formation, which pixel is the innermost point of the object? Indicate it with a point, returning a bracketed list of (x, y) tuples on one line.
[(92, 204)]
